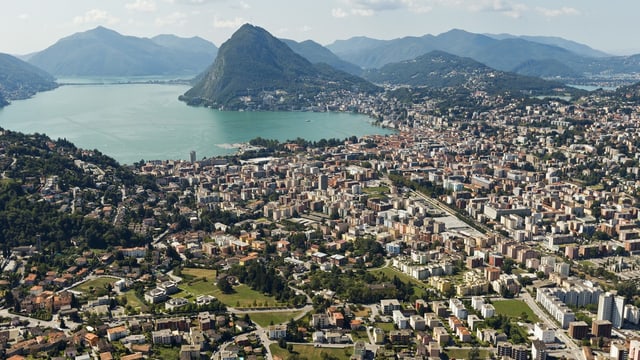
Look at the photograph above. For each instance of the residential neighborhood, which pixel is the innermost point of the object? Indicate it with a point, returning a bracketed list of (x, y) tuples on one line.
[(505, 230)]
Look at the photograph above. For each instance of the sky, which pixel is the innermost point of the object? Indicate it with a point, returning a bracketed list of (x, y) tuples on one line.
[(32, 25)]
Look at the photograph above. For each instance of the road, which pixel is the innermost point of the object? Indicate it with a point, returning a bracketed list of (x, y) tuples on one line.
[(54, 323), (572, 347)]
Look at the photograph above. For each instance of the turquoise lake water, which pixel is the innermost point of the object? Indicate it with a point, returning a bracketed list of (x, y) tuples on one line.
[(130, 122)]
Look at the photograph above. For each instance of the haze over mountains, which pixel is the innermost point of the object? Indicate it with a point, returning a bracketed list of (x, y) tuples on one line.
[(255, 61), (536, 56), (440, 70), (104, 52), (20, 80)]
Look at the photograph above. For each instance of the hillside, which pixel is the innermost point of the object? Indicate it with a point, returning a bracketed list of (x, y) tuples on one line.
[(439, 70), (574, 47), (20, 80), (104, 52), (255, 67), (318, 54)]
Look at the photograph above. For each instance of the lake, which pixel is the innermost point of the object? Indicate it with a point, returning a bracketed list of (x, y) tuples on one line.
[(130, 122)]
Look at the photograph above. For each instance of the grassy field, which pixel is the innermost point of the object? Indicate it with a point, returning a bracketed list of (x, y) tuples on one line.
[(311, 352), (384, 326), (365, 312), (359, 335), (418, 287), (166, 352), (453, 353), (265, 319), (194, 273), (243, 296), (514, 309), (376, 192), (98, 283), (134, 301)]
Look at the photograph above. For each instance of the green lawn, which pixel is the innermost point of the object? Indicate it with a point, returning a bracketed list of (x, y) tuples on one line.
[(243, 296), (134, 301), (514, 309), (418, 286), (88, 287), (365, 312), (454, 353), (376, 192), (265, 319), (311, 352), (359, 335), (384, 326), (194, 273), (166, 352)]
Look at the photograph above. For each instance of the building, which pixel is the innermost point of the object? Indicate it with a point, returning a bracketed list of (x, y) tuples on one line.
[(601, 328), (277, 331), (388, 305), (611, 307), (544, 334), (538, 350), (417, 322), (117, 332), (400, 320), (520, 352), (578, 329), (504, 348), (441, 335), (359, 350), (487, 310), (619, 352), (190, 352)]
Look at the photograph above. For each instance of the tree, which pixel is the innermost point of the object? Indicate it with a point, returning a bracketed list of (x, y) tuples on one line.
[(474, 353), (225, 286)]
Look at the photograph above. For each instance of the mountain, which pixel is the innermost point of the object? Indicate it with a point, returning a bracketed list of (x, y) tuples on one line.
[(104, 52), (440, 70), (537, 56), (549, 68), (317, 54), (574, 47), (499, 54), (20, 80), (253, 66)]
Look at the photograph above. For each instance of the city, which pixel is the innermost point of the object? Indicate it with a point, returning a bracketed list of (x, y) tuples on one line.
[(512, 232)]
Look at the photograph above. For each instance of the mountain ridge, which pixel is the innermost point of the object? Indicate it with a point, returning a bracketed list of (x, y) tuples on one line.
[(522, 54), (254, 64), (439, 70), (105, 52)]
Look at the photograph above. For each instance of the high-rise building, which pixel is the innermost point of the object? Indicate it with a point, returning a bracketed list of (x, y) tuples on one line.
[(192, 156), (611, 307), (323, 182)]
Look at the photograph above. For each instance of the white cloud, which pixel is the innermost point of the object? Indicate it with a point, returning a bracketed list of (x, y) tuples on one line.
[(229, 23), (504, 7), (370, 7), (338, 13), (244, 5), (96, 16), (192, 2), (306, 28), (362, 12), (557, 12), (23, 16), (141, 5), (176, 18)]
